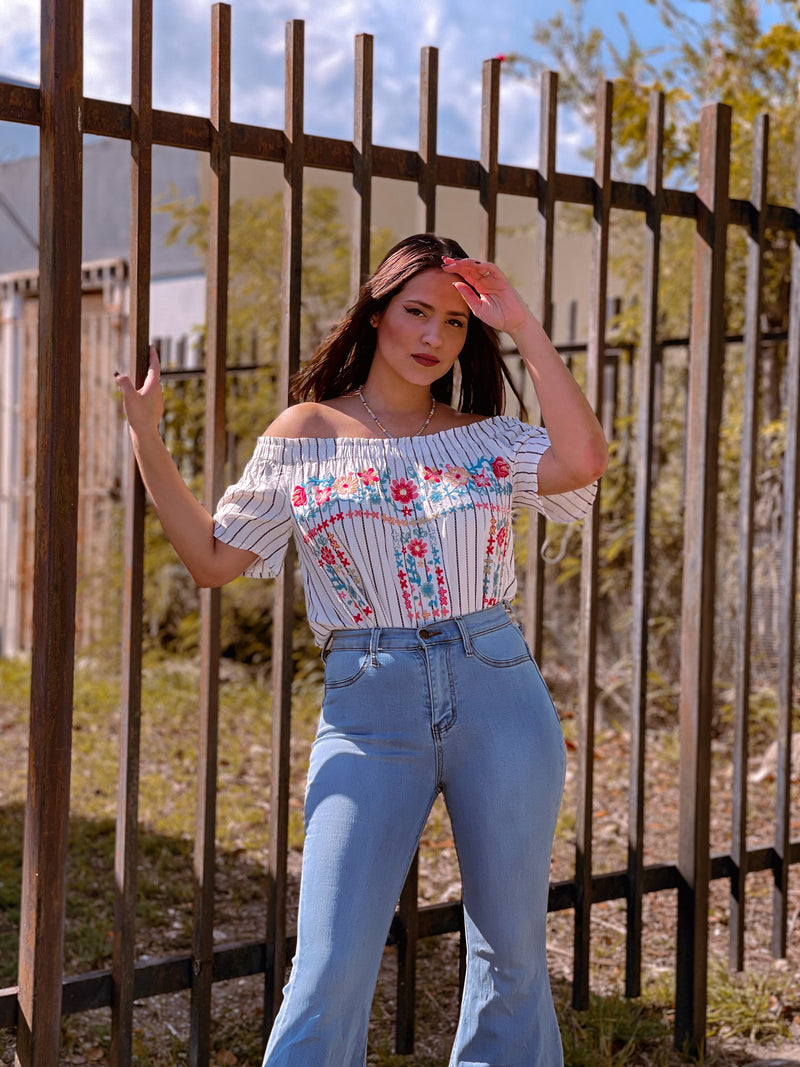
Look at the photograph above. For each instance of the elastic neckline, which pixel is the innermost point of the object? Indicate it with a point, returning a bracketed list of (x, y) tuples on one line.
[(384, 441)]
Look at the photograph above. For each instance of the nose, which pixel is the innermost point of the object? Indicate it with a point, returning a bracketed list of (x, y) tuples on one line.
[(432, 335)]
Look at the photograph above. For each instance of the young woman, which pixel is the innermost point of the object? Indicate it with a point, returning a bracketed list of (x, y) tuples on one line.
[(400, 504)]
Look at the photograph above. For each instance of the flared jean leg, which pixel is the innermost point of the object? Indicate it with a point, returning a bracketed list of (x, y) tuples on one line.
[(503, 780), (372, 781)]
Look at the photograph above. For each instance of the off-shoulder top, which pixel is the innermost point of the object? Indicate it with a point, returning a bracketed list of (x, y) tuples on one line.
[(393, 532)]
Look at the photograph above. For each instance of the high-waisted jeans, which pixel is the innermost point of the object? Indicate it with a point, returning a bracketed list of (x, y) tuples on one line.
[(458, 707)]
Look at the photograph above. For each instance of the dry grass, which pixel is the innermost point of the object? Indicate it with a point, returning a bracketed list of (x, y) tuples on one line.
[(753, 1016)]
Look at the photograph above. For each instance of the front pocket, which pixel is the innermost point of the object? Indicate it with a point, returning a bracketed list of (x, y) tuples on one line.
[(343, 666), (502, 647)]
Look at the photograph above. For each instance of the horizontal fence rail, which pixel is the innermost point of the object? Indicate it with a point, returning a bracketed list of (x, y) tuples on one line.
[(64, 115)]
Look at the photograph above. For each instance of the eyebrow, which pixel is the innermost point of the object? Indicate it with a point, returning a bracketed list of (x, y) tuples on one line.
[(430, 307)]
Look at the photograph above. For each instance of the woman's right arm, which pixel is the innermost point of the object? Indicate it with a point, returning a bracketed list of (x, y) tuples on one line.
[(186, 522)]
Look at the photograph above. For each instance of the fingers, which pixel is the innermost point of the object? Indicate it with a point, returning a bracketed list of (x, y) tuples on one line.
[(152, 378), (477, 272)]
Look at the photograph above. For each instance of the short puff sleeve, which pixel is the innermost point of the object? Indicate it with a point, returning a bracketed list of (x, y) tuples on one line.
[(255, 513), (530, 446)]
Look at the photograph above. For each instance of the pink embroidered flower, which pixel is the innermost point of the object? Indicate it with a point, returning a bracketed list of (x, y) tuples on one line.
[(368, 477), (322, 494), (403, 490), (346, 484), (299, 496), (481, 479), (417, 547), (455, 475), (500, 467), (432, 474), (327, 556)]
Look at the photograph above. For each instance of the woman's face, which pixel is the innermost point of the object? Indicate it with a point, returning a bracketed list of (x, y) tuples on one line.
[(421, 331)]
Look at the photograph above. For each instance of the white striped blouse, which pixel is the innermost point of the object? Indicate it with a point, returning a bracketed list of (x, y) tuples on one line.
[(397, 531)]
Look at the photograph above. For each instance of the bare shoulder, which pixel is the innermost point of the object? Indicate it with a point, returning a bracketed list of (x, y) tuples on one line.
[(308, 420), (452, 419)]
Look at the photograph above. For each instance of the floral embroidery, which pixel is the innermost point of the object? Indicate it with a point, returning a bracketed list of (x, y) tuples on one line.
[(407, 503), (456, 475), (369, 477), (346, 485), (403, 490), (417, 547)]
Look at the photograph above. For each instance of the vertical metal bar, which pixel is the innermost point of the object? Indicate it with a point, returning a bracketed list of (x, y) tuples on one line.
[(747, 498), (640, 593), (428, 133), (788, 614), (543, 309), (408, 914), (213, 474), (699, 579), (127, 837), (490, 124), (283, 612), (362, 163), (44, 862), (587, 634)]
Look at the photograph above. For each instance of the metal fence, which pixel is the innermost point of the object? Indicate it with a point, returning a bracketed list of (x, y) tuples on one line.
[(64, 115)]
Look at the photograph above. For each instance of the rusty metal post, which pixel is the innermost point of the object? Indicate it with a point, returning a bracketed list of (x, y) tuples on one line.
[(283, 612), (697, 614), (210, 599), (127, 835), (747, 501), (640, 593), (44, 863), (533, 617), (428, 108), (362, 163), (787, 614), (587, 634), (490, 129)]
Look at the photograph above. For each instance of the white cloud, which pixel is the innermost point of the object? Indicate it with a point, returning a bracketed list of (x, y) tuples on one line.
[(465, 32)]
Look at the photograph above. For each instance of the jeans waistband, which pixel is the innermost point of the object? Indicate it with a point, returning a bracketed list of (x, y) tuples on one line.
[(441, 631)]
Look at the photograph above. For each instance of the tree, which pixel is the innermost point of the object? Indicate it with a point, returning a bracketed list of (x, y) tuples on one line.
[(724, 52)]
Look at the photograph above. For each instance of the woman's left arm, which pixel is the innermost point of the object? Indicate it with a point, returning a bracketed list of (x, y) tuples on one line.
[(578, 452)]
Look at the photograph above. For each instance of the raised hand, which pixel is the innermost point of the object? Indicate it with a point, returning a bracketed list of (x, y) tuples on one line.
[(143, 407), (489, 294)]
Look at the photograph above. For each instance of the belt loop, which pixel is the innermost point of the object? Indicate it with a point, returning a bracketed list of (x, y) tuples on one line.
[(465, 637), (374, 641), (326, 647)]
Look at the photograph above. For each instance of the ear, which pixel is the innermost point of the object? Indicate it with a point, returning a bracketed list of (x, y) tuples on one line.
[(374, 319)]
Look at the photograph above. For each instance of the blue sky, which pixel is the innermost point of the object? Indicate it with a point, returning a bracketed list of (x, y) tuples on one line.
[(465, 31)]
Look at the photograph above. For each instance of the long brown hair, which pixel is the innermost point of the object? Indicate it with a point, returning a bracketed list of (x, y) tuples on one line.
[(342, 361)]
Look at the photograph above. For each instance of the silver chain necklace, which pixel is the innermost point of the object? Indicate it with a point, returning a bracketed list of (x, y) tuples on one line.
[(383, 429)]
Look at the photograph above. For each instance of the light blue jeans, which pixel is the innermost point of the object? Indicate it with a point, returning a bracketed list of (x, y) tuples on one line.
[(458, 707)]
